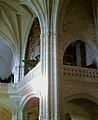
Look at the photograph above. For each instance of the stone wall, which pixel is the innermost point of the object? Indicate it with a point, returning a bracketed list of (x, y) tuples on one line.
[(78, 23), (80, 109)]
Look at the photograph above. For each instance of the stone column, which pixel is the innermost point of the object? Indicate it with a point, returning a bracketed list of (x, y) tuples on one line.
[(49, 75), (17, 113), (44, 68), (16, 74), (53, 76), (20, 115), (14, 116)]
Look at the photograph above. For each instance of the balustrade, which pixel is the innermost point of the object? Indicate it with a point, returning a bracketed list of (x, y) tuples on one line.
[(71, 71), (80, 72), (8, 88), (30, 77), (15, 87)]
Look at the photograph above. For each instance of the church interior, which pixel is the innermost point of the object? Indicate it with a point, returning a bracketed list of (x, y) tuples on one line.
[(48, 59)]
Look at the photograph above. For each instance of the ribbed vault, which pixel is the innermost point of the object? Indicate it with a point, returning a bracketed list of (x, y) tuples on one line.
[(14, 26)]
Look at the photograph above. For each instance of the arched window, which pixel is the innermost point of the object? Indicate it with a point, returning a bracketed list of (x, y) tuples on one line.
[(79, 54), (32, 55)]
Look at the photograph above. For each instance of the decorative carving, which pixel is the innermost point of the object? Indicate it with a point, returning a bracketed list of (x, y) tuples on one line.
[(13, 88), (80, 72), (8, 88), (30, 76)]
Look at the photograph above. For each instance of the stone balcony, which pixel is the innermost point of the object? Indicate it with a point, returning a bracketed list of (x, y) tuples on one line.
[(80, 74), (8, 88), (33, 79)]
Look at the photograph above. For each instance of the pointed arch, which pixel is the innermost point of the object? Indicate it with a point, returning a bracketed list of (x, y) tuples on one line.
[(32, 53)]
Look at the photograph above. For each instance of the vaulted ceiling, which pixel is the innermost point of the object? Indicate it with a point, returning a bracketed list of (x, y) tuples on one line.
[(6, 59), (14, 25)]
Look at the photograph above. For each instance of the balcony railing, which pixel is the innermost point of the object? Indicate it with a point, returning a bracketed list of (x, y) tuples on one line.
[(31, 77), (8, 88), (74, 71)]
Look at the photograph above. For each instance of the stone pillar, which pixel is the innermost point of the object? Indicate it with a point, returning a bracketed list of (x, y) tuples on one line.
[(44, 68), (53, 76), (16, 74), (20, 115), (17, 113), (14, 116), (21, 74), (49, 75)]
